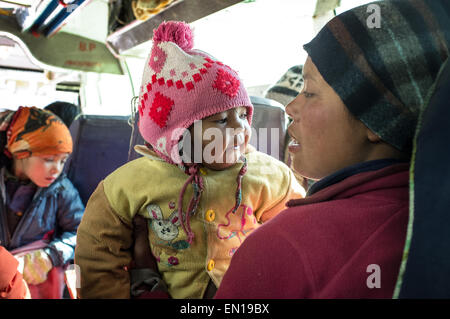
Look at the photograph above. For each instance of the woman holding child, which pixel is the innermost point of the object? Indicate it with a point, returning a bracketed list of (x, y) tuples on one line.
[(353, 125)]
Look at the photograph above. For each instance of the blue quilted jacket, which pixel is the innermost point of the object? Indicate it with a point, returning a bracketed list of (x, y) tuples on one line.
[(56, 208)]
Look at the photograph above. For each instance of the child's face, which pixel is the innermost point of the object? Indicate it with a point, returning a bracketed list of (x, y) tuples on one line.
[(224, 138), (42, 170), (327, 137)]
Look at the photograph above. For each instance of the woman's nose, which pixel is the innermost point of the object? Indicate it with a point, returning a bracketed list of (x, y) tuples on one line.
[(292, 108)]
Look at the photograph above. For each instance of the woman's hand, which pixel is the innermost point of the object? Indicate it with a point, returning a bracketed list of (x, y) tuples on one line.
[(146, 282), (143, 257)]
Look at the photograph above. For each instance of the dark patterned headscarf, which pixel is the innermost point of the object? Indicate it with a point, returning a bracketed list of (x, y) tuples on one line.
[(382, 70)]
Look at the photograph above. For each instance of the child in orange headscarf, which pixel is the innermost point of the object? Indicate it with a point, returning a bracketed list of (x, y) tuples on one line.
[(40, 209)]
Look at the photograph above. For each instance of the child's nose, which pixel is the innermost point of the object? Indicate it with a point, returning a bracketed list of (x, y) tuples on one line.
[(239, 138), (57, 167), (238, 124)]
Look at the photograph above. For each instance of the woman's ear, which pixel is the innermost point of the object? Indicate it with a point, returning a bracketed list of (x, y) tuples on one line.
[(372, 137), (381, 149)]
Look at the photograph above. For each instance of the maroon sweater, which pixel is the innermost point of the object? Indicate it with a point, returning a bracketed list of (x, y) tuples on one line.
[(323, 246)]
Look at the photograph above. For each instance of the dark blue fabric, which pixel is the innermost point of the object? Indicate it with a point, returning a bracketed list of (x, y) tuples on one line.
[(56, 208), (350, 171), (100, 146), (427, 273), (19, 195)]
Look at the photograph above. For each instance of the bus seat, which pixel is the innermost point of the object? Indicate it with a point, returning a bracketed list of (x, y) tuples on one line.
[(136, 138), (100, 145), (426, 261), (269, 125), (269, 129)]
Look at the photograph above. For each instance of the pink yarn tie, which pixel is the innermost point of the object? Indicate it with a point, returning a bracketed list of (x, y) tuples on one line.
[(193, 203), (197, 182)]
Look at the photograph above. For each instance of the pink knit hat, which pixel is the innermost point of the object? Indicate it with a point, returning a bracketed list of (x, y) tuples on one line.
[(181, 85)]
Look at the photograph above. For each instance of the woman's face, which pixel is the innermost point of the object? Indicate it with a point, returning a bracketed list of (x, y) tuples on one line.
[(327, 137), (223, 138), (41, 170)]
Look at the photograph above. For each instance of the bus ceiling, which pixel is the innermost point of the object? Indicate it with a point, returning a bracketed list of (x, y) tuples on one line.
[(91, 35)]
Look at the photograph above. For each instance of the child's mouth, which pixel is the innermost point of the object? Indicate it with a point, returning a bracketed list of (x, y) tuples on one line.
[(234, 147), (50, 179)]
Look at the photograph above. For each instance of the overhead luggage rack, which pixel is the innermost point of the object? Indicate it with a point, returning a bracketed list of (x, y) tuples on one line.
[(138, 32)]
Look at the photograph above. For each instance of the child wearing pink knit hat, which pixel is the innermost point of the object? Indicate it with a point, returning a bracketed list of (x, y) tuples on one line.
[(201, 188)]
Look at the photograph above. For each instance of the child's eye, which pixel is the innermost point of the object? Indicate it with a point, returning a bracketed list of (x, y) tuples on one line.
[(243, 116), (222, 121)]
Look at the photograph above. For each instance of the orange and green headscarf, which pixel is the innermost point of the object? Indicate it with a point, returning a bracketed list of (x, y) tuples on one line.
[(35, 132)]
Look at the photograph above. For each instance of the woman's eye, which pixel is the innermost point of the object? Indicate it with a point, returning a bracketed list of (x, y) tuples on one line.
[(243, 116), (307, 94)]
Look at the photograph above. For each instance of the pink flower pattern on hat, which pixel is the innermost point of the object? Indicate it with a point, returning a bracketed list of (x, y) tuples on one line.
[(226, 83), (160, 110), (157, 59)]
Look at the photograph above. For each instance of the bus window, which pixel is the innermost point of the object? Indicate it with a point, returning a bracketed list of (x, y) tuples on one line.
[(261, 40)]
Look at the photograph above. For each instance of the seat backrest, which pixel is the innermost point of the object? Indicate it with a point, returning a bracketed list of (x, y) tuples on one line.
[(268, 129), (136, 138), (100, 145), (425, 270), (269, 125)]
